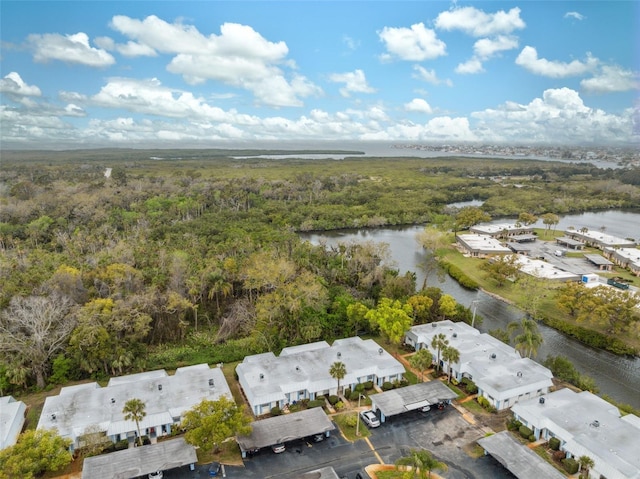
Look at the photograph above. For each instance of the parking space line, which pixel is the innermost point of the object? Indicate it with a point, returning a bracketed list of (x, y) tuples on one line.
[(375, 453)]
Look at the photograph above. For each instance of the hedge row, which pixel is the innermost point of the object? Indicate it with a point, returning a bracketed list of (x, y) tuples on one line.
[(590, 337), (459, 275)]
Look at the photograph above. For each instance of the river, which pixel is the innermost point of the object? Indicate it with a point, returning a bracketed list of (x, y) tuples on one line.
[(616, 376)]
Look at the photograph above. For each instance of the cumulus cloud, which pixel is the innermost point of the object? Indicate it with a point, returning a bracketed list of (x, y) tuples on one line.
[(239, 57), (473, 65), (488, 47), (421, 73), (560, 116), (611, 78), (574, 15), (419, 105), (417, 43), (528, 59), (354, 82), (477, 23), (13, 84), (68, 48)]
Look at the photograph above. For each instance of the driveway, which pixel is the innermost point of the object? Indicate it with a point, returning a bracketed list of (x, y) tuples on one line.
[(443, 432)]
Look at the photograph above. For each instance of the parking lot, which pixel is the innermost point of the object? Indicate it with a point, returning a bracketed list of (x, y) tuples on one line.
[(443, 432)]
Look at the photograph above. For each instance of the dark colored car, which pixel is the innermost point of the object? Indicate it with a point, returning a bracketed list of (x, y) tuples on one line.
[(214, 469)]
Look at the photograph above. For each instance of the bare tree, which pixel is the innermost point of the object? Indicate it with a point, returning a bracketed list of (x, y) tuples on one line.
[(33, 330)]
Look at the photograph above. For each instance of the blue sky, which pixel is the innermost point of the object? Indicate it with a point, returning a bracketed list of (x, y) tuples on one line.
[(221, 73)]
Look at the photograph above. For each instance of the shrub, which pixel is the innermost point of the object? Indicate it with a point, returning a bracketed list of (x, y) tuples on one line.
[(368, 384), (532, 438), (469, 386), (351, 420), (387, 386), (525, 432), (339, 405), (456, 273), (570, 465), (359, 387), (354, 396), (559, 455), (316, 403), (276, 411), (554, 443), (483, 401), (333, 399), (513, 424), (122, 444), (347, 393)]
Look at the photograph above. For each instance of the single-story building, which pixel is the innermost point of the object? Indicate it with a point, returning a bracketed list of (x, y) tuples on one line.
[(502, 230), (541, 269), (140, 461), (480, 245), (410, 398), (625, 258), (517, 458), (599, 239), (302, 372), (85, 408), (12, 417), (519, 248), (288, 427), (586, 425), (503, 377), (601, 262), (570, 243)]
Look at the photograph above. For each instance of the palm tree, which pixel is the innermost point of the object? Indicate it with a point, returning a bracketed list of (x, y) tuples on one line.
[(338, 371), (421, 360), (586, 463), (450, 355), (134, 410), (439, 342), (529, 339), (421, 462)]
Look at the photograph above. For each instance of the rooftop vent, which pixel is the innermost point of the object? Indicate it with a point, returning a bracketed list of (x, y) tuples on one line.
[(159, 387), (53, 417), (339, 354), (595, 423), (519, 374), (434, 325), (211, 383), (261, 376), (493, 355), (113, 400), (297, 368), (455, 335), (541, 400), (380, 351)]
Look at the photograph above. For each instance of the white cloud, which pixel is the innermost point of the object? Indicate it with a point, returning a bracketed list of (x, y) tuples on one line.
[(239, 57), (14, 85), (478, 23), (68, 48), (611, 78), (528, 59), (471, 66), (417, 43), (354, 82), (429, 76), (560, 116), (488, 47), (351, 43), (418, 105), (575, 15)]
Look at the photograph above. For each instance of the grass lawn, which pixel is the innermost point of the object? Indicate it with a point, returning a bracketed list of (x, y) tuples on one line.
[(229, 453), (348, 427)]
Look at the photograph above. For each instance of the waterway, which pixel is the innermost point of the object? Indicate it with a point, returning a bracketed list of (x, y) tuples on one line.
[(616, 376)]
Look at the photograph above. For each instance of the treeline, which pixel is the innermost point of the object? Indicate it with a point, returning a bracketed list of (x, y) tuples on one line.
[(165, 262)]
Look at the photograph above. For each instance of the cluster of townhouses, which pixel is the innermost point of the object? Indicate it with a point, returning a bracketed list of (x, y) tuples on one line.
[(584, 423)]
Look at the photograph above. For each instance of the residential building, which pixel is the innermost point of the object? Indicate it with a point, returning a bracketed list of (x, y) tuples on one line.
[(503, 230), (586, 425), (599, 239), (12, 416), (625, 258), (480, 246), (302, 372), (82, 408), (503, 377)]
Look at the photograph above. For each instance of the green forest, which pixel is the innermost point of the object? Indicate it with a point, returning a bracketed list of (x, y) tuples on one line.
[(192, 256)]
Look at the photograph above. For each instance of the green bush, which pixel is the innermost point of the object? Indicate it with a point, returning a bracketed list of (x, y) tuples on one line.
[(339, 405), (460, 276), (570, 465), (121, 445), (469, 386), (513, 424), (276, 411), (316, 403), (387, 386), (525, 432), (532, 438), (368, 385), (354, 396), (333, 399), (351, 420), (590, 337), (359, 387), (554, 443), (347, 393)]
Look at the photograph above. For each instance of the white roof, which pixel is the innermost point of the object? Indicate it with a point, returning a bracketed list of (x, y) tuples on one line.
[(494, 366), (266, 378), (165, 397), (600, 237), (542, 269), (498, 228), (11, 420), (484, 243), (591, 426)]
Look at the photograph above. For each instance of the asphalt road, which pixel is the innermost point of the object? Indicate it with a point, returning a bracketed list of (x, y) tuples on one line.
[(443, 432)]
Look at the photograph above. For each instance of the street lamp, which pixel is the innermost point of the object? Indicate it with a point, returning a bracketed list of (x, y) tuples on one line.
[(358, 416)]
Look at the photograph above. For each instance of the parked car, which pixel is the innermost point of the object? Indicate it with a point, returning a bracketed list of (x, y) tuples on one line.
[(316, 438), (369, 418), (426, 408), (278, 448), (156, 475), (214, 469)]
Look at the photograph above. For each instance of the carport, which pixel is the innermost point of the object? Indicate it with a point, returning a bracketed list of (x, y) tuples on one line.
[(410, 398), (570, 243), (288, 427), (518, 459), (600, 261), (140, 461)]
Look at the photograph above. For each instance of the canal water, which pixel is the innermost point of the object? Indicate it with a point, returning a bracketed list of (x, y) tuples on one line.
[(616, 376)]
